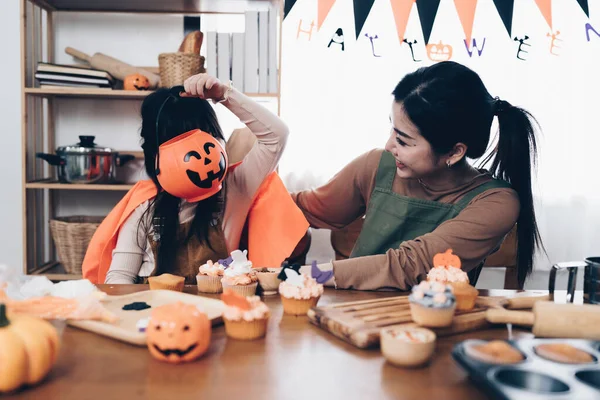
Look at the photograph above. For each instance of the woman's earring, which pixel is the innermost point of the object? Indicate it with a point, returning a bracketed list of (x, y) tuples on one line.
[(448, 163)]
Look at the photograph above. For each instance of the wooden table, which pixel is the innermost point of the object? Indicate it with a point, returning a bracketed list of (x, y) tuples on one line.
[(295, 361)]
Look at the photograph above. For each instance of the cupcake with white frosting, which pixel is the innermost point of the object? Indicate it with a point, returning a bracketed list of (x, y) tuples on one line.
[(239, 275)]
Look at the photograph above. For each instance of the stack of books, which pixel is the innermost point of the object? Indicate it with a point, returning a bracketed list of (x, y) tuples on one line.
[(55, 75)]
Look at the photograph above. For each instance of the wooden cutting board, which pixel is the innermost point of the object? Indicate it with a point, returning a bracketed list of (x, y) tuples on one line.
[(125, 329), (359, 322)]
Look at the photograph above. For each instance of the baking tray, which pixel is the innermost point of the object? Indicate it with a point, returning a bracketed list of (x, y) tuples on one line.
[(535, 377)]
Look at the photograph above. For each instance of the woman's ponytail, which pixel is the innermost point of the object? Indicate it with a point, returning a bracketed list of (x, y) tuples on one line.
[(514, 161)]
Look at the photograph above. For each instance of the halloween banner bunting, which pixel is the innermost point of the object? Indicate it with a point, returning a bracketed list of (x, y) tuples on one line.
[(401, 10), (584, 7), (324, 8), (362, 8), (466, 14), (287, 7), (545, 7), (505, 10), (427, 11)]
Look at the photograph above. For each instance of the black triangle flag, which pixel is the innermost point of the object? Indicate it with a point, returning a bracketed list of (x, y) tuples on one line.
[(584, 7), (362, 8), (505, 9), (427, 11), (287, 7)]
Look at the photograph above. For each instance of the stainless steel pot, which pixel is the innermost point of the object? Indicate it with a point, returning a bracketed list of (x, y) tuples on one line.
[(85, 162)]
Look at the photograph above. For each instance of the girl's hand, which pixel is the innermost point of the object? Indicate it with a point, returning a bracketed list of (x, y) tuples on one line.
[(204, 86)]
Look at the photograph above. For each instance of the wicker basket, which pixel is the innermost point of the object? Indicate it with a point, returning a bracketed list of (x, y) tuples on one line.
[(71, 237), (177, 67)]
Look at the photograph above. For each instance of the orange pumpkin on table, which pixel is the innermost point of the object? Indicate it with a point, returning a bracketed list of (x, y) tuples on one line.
[(178, 333), (28, 349), (136, 82)]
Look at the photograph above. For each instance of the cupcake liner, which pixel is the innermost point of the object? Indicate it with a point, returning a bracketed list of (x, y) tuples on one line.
[(158, 285), (465, 295), (298, 306), (432, 317), (465, 302), (246, 330), (209, 284), (244, 290)]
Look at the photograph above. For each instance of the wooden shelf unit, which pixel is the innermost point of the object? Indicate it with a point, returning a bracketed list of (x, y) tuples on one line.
[(110, 94), (38, 106)]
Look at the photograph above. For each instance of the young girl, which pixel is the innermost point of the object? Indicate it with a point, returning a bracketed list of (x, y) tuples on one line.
[(421, 196), (167, 233)]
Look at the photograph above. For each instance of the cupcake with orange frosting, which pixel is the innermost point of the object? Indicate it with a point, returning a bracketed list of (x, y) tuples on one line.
[(209, 277), (239, 275), (447, 269), (245, 318), (299, 292), (432, 304)]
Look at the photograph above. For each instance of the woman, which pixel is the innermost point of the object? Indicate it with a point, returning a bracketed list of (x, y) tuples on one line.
[(173, 233), (421, 196)]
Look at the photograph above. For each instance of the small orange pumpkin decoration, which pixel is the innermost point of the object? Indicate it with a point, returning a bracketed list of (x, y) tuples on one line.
[(178, 333), (192, 166), (136, 82), (234, 299), (439, 52), (28, 349), (446, 259)]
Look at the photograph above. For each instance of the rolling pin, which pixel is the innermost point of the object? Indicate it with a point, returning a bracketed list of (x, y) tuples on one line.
[(116, 68), (550, 319), (513, 303)]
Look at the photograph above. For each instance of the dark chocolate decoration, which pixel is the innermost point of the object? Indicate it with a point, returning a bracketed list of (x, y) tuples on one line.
[(136, 305)]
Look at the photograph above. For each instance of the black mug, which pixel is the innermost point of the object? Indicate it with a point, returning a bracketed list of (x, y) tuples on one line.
[(591, 279)]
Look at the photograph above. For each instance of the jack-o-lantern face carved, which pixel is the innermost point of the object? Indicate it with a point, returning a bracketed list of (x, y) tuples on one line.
[(178, 333), (439, 52), (136, 82), (192, 166), (212, 166)]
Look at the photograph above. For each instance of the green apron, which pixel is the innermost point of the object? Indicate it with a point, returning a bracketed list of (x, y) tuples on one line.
[(392, 218)]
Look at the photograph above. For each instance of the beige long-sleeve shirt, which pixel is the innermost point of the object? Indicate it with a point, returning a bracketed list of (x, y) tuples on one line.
[(473, 234), (132, 256)]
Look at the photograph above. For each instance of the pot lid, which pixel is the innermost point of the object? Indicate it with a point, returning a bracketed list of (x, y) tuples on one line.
[(86, 145)]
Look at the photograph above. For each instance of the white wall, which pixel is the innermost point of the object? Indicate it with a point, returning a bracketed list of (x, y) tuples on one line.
[(11, 233)]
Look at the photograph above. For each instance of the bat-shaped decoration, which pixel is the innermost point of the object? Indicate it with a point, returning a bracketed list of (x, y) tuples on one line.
[(285, 265), (225, 263), (320, 276)]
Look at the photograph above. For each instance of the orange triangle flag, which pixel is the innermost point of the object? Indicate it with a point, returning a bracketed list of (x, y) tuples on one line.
[(545, 7), (466, 14), (401, 10), (324, 8)]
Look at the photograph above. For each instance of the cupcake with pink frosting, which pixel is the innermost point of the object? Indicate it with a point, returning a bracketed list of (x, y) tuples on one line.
[(239, 275), (209, 277), (299, 292), (246, 318)]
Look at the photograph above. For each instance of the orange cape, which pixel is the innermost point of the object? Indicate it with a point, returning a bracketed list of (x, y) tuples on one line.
[(275, 226)]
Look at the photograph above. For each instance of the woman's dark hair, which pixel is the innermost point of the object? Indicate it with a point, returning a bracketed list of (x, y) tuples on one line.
[(449, 104), (177, 115)]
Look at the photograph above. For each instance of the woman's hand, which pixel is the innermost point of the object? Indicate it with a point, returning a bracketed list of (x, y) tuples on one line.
[(204, 86)]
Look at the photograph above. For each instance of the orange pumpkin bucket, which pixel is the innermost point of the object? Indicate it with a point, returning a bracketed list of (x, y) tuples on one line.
[(192, 166)]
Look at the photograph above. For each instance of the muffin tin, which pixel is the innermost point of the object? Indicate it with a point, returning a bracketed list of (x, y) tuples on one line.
[(535, 377)]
